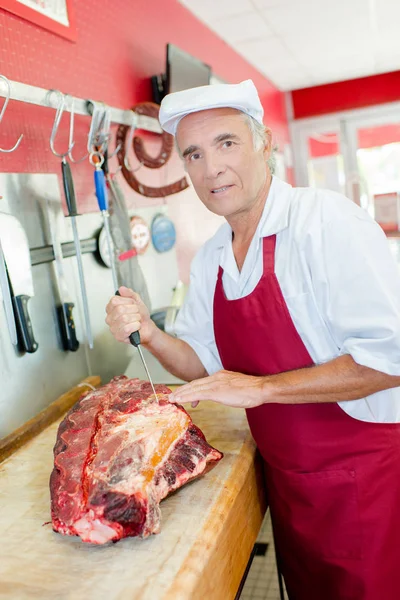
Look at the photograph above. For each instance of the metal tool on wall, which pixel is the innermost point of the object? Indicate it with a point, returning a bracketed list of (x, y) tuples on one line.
[(127, 265), (17, 258), (102, 200), (7, 299), (99, 136), (3, 110), (69, 192), (129, 272), (65, 307), (4, 279)]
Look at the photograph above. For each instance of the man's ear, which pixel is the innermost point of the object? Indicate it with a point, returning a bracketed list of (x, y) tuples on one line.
[(268, 143)]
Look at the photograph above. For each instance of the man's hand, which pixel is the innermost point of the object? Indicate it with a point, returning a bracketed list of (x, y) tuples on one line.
[(128, 313), (225, 387)]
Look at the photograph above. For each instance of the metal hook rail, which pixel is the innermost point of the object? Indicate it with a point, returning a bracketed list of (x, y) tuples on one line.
[(30, 94)]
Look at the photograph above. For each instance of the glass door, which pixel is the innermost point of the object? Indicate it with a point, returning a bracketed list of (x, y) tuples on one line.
[(374, 148), (318, 158), (356, 153)]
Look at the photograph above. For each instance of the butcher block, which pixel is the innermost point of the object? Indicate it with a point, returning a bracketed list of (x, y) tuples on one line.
[(208, 527)]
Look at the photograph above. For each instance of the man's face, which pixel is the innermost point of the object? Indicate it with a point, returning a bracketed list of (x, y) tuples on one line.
[(218, 150)]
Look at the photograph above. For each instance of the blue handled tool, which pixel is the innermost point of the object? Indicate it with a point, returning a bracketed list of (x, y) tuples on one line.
[(102, 200)]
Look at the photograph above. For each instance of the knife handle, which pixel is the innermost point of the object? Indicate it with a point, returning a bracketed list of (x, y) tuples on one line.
[(67, 327), (101, 189), (29, 344), (134, 338), (69, 189)]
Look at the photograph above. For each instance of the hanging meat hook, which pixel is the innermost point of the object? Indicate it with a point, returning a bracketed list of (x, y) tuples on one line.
[(3, 110), (59, 112), (71, 134), (129, 145)]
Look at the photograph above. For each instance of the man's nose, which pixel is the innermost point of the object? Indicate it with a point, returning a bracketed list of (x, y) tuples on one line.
[(214, 167)]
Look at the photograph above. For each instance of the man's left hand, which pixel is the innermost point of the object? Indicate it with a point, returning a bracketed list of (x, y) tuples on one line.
[(225, 387)]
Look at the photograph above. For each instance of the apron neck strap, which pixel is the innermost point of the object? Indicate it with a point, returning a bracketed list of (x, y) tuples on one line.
[(269, 244)]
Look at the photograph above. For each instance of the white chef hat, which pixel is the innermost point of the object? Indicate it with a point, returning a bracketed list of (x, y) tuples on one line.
[(242, 96)]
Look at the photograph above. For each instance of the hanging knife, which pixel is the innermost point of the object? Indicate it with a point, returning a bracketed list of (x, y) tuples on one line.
[(64, 310), (7, 299), (72, 213), (17, 258)]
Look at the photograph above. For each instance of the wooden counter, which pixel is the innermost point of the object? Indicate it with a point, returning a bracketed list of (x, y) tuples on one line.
[(207, 532)]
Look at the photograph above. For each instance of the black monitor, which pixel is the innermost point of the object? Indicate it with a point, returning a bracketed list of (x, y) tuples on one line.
[(183, 71)]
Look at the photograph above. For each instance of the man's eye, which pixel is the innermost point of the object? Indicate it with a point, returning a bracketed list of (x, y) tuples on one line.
[(228, 144), (194, 156)]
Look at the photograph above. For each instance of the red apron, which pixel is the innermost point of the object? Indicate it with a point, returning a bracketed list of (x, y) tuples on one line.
[(333, 482)]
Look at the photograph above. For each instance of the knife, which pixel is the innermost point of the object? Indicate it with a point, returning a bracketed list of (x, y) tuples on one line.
[(64, 310), (70, 199), (17, 258), (7, 299), (134, 339)]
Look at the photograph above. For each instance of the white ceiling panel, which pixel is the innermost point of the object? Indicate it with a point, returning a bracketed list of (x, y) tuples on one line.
[(320, 46), (301, 43), (321, 15), (296, 78), (241, 27), (211, 10), (387, 61), (263, 4), (269, 51)]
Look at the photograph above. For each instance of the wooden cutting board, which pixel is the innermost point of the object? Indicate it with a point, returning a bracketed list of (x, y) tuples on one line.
[(207, 533)]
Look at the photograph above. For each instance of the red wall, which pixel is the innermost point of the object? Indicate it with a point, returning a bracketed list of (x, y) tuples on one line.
[(120, 44), (346, 95)]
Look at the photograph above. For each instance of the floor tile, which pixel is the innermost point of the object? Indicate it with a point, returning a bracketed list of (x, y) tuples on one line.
[(262, 579)]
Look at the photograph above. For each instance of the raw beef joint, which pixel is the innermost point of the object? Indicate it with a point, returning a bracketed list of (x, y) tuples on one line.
[(118, 454)]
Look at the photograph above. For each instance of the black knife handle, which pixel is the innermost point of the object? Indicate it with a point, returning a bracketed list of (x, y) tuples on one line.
[(69, 189), (134, 338), (29, 344), (67, 327)]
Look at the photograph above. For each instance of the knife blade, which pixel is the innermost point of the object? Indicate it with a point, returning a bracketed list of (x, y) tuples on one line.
[(7, 299), (134, 339), (17, 258), (70, 199), (64, 309)]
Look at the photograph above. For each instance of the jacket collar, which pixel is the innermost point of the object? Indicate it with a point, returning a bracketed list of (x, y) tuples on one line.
[(275, 216)]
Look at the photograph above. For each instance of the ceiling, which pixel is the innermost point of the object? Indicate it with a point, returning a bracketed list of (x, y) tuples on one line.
[(302, 43)]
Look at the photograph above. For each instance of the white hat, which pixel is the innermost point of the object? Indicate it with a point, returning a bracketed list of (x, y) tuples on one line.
[(242, 96)]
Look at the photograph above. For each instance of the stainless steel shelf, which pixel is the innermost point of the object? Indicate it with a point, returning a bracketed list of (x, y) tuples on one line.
[(30, 94)]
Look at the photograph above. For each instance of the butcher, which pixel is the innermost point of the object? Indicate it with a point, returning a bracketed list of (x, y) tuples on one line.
[(293, 313)]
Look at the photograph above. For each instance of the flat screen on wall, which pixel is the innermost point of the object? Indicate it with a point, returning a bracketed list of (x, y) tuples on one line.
[(184, 70)]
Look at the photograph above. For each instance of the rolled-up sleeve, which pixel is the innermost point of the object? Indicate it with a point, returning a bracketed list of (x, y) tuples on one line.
[(194, 323), (362, 293)]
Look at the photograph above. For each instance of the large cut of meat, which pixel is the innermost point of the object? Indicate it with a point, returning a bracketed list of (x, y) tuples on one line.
[(118, 454)]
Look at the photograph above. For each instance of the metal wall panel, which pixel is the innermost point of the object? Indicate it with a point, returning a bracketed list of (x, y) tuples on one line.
[(30, 382)]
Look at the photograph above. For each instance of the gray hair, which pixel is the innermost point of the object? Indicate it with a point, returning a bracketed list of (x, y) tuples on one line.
[(260, 138)]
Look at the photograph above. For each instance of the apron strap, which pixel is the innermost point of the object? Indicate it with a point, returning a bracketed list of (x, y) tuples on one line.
[(269, 244)]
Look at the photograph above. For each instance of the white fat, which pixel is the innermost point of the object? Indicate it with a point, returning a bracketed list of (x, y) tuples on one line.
[(149, 422), (146, 427), (95, 531)]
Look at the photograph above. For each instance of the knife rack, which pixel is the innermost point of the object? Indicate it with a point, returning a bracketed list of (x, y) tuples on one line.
[(30, 94), (45, 254)]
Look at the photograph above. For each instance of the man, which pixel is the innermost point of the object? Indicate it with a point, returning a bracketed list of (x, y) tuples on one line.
[(293, 313)]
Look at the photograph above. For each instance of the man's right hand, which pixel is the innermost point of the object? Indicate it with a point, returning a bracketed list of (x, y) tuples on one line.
[(128, 313)]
